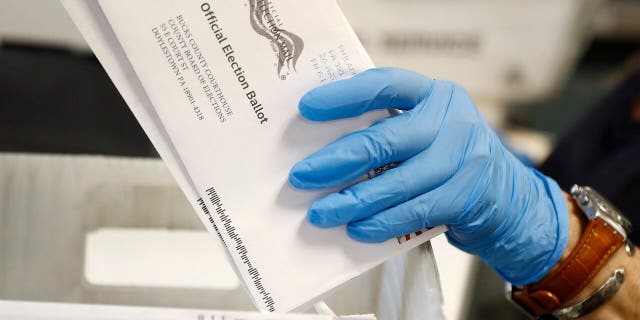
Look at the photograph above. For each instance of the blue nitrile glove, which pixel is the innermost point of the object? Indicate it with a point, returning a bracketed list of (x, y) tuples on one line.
[(453, 171)]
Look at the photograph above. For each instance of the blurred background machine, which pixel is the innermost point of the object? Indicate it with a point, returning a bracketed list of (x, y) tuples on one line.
[(533, 67)]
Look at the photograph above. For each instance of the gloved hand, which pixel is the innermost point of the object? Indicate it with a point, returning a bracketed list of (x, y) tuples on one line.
[(453, 171)]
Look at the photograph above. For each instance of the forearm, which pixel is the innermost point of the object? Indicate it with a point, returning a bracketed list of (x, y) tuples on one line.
[(624, 305)]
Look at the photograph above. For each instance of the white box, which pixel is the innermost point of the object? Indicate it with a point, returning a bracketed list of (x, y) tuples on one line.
[(49, 205)]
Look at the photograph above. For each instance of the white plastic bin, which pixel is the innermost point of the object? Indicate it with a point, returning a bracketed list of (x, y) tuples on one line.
[(51, 205)]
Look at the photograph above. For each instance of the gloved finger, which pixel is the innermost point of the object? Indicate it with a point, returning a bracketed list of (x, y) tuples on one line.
[(391, 140), (356, 154), (416, 176), (438, 207), (373, 89)]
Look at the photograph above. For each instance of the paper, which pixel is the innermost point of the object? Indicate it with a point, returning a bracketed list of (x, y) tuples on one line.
[(50, 311), (215, 84)]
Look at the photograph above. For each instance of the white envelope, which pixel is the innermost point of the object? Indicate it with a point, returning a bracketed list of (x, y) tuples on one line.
[(215, 84)]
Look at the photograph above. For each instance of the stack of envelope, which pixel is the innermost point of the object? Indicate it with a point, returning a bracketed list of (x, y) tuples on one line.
[(215, 85)]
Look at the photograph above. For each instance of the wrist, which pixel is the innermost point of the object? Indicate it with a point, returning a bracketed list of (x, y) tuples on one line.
[(589, 274), (622, 301), (577, 224)]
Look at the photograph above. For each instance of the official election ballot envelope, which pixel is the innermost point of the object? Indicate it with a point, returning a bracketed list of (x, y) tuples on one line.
[(215, 84), (57, 311)]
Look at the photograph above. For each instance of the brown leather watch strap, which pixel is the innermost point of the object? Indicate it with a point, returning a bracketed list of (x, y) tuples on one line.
[(596, 246)]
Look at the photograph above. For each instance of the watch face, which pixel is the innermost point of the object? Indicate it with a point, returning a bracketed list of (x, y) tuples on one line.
[(600, 207), (600, 201)]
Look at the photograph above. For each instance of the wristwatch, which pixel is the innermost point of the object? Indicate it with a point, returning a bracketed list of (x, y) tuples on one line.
[(605, 233)]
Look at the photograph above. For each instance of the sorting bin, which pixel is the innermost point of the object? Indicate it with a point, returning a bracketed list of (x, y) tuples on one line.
[(53, 208)]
